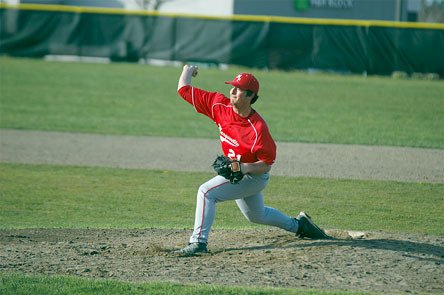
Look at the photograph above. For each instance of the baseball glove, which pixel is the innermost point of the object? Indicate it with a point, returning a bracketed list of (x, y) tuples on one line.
[(230, 169)]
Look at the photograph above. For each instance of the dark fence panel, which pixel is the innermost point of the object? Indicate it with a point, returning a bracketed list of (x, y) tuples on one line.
[(358, 47)]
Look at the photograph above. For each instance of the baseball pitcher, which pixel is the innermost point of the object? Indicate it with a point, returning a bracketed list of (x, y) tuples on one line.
[(249, 151)]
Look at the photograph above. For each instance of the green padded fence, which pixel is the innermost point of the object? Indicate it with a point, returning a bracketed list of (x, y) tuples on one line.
[(372, 47)]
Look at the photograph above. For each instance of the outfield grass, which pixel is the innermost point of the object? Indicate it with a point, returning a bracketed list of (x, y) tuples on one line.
[(142, 100), (43, 196)]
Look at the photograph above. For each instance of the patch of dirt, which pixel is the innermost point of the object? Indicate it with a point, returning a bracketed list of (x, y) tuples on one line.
[(377, 261)]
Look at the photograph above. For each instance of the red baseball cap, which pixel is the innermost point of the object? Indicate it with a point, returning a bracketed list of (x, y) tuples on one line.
[(245, 81)]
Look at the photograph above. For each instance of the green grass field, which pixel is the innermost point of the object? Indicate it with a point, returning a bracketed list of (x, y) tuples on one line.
[(18, 284), (142, 100), (44, 196)]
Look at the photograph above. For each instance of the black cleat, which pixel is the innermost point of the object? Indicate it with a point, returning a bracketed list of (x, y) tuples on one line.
[(193, 249), (307, 228)]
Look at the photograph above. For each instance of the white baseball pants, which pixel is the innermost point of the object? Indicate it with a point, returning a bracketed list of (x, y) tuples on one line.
[(249, 199)]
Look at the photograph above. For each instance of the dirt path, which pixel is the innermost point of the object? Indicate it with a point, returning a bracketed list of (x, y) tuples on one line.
[(294, 159), (377, 262), (381, 262)]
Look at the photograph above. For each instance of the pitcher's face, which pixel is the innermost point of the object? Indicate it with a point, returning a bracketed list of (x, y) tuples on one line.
[(239, 98)]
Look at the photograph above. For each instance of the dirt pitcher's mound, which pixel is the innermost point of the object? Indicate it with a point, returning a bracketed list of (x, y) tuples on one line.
[(376, 261)]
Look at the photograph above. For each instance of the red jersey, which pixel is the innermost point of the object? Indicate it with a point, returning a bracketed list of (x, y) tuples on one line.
[(245, 139)]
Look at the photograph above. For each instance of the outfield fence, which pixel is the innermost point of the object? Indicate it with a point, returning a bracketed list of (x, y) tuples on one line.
[(365, 47)]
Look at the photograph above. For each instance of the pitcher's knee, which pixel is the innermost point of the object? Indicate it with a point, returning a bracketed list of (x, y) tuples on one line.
[(205, 192), (255, 217)]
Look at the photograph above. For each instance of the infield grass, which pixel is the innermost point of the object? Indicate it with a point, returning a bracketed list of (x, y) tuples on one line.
[(18, 284), (44, 196), (142, 100)]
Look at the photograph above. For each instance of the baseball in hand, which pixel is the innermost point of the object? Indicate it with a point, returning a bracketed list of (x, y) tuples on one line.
[(194, 71)]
